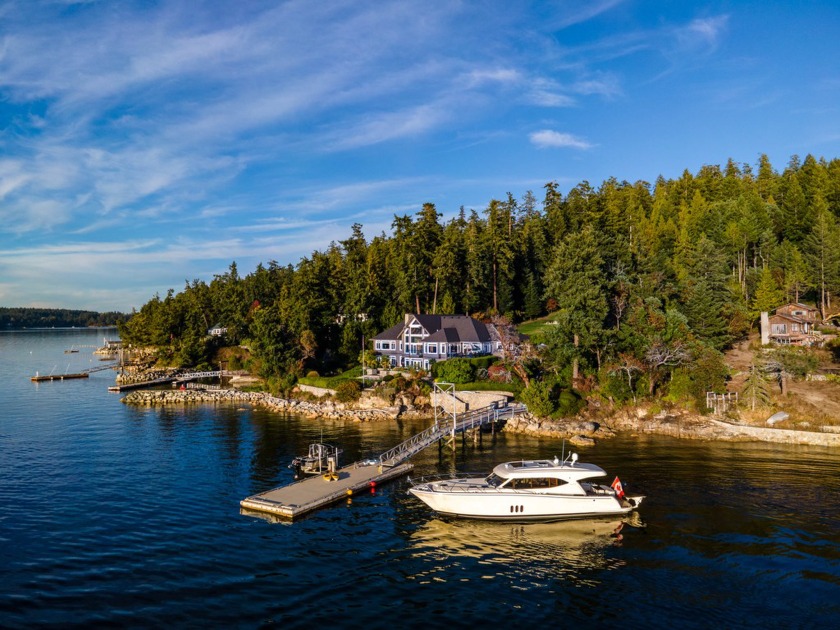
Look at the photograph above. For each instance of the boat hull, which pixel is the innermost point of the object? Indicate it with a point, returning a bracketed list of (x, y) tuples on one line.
[(523, 507)]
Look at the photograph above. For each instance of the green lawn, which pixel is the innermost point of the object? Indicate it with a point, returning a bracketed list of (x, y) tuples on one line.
[(536, 325)]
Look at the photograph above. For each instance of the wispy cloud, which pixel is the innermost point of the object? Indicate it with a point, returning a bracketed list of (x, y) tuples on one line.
[(546, 138), (262, 130)]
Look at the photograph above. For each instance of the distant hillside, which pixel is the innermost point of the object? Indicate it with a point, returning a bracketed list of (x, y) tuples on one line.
[(56, 318)]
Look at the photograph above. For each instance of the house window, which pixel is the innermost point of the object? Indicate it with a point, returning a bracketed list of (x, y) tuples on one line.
[(432, 348), (779, 329)]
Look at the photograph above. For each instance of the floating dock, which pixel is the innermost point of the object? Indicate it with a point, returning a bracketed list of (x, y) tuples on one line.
[(57, 377), (299, 498)]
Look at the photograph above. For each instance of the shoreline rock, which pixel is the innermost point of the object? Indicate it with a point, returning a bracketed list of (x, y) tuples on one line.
[(579, 431), (327, 409)]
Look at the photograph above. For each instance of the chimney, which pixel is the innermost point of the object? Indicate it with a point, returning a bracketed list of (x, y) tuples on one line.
[(765, 328)]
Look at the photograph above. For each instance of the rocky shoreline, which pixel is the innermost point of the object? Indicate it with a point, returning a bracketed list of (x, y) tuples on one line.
[(673, 422)]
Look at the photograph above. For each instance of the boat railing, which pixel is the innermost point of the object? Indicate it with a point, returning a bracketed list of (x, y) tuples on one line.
[(480, 484)]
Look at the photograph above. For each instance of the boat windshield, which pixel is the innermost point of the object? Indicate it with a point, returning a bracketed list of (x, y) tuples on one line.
[(494, 480)]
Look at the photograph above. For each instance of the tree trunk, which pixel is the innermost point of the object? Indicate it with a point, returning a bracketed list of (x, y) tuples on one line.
[(521, 373), (575, 365), (495, 302)]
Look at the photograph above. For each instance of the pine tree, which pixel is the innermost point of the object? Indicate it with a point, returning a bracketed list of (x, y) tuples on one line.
[(756, 392)]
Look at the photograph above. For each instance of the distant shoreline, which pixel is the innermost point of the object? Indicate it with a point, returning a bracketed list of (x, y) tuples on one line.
[(25, 328)]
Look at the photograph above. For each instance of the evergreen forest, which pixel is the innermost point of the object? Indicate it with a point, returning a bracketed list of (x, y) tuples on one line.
[(13, 318), (644, 284)]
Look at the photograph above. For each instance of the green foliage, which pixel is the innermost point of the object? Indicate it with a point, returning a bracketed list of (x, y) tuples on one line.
[(455, 371), (547, 398), (833, 346), (332, 382), (568, 403), (615, 386), (281, 384), (756, 391), (539, 398), (348, 391), (514, 387), (795, 361), (706, 372), (12, 318), (639, 275)]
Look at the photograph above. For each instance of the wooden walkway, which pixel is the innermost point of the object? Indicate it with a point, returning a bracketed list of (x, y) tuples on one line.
[(181, 378), (302, 497)]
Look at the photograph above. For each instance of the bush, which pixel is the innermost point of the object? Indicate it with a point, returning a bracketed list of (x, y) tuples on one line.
[(348, 391), (614, 386), (538, 398), (499, 374), (312, 374), (455, 371), (833, 346), (281, 385), (568, 403)]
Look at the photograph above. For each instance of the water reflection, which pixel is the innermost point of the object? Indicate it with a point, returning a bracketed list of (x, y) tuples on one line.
[(531, 553)]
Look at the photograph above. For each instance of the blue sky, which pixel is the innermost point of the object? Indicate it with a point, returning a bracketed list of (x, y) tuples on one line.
[(148, 143)]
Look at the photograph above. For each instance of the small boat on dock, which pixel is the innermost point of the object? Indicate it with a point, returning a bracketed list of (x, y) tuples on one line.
[(527, 491), (322, 459)]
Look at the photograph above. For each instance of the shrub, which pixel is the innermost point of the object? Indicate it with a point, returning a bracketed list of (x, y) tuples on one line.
[(833, 346), (348, 391), (455, 371), (499, 373), (615, 386), (312, 374), (568, 403), (537, 397)]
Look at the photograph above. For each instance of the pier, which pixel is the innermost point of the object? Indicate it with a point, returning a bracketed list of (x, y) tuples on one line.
[(299, 498), (302, 497), (39, 378), (166, 380)]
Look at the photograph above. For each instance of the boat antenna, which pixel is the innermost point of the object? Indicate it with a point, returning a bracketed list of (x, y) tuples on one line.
[(563, 452)]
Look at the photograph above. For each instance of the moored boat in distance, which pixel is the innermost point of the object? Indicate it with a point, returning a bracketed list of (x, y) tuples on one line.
[(538, 490), (321, 459)]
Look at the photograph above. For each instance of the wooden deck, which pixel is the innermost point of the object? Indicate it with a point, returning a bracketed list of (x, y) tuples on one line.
[(299, 498), (56, 377)]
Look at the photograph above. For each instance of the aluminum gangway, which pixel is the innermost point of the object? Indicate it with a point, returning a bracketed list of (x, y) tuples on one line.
[(449, 427)]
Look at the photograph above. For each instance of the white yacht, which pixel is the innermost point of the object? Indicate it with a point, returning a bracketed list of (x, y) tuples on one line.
[(530, 490)]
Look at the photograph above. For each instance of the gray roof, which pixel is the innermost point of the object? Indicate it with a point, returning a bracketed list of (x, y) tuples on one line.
[(443, 328), (393, 332)]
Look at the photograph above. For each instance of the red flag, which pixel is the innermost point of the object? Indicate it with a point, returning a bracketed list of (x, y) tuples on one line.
[(616, 485)]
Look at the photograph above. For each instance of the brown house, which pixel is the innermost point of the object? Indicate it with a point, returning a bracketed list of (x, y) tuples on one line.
[(794, 324)]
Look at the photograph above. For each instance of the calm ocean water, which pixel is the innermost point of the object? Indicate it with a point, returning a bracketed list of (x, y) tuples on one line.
[(125, 517)]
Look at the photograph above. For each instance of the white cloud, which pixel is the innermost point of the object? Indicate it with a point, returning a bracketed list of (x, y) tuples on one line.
[(547, 138)]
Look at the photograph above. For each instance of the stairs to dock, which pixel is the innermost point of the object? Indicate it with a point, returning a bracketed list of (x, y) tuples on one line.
[(449, 428)]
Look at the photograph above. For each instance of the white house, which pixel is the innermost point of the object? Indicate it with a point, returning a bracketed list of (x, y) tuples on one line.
[(419, 340)]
